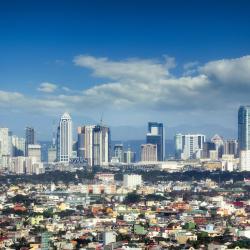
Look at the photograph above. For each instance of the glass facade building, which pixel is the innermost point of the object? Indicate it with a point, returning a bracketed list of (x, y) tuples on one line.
[(156, 135), (244, 128)]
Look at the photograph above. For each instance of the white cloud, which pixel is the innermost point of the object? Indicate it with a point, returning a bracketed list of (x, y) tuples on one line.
[(135, 69), (145, 87), (47, 87), (228, 71)]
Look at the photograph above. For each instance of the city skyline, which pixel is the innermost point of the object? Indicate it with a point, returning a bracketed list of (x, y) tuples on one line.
[(124, 125), (167, 68)]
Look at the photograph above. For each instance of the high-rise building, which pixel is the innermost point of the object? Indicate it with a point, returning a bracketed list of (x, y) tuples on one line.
[(4, 142), (34, 151), (245, 160), (156, 135), (230, 147), (207, 148), (29, 138), (244, 128), (94, 144), (81, 141), (101, 145), (51, 154), (219, 144), (89, 144), (18, 146), (192, 145), (178, 140), (118, 152), (64, 139), (129, 156), (148, 152)]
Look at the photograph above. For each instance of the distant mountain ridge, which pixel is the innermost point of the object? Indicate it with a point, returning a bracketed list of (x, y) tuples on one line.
[(125, 133)]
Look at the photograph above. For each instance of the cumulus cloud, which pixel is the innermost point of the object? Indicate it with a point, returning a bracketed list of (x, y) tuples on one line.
[(146, 86), (229, 72), (135, 69), (47, 87)]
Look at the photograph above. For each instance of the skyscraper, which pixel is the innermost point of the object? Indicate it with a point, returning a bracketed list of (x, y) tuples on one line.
[(191, 145), (118, 152), (219, 144), (18, 146), (64, 137), (148, 152), (101, 145), (5, 142), (230, 147), (81, 141), (244, 128), (129, 156), (156, 135), (178, 140), (29, 138)]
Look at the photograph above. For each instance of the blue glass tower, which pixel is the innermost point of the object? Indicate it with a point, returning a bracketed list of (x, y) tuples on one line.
[(244, 128), (156, 135)]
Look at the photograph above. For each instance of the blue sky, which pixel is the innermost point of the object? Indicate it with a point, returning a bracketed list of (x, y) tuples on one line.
[(179, 62)]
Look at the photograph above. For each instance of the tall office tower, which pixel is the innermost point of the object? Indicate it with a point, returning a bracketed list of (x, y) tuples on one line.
[(156, 135), (219, 144), (81, 141), (230, 147), (129, 156), (207, 147), (118, 152), (193, 146), (178, 140), (101, 145), (244, 128), (29, 138), (89, 144), (18, 146), (148, 152), (64, 139)]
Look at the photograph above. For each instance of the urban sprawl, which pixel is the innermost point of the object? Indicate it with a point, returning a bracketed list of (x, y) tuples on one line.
[(89, 195)]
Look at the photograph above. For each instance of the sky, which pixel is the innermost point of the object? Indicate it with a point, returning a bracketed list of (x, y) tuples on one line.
[(126, 62)]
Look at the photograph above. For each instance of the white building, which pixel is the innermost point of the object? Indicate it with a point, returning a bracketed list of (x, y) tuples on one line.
[(34, 150), (26, 165), (89, 144), (5, 148), (109, 237), (64, 138), (17, 165), (192, 146), (245, 160), (132, 180)]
